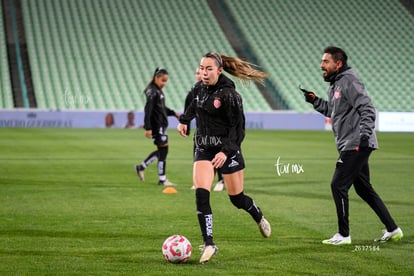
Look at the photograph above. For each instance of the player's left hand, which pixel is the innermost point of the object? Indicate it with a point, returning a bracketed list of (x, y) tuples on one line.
[(219, 160), (148, 133)]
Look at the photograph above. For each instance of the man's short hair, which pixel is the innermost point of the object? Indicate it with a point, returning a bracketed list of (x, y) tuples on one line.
[(337, 54)]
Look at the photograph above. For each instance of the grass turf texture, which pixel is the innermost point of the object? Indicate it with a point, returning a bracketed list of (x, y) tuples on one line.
[(71, 203)]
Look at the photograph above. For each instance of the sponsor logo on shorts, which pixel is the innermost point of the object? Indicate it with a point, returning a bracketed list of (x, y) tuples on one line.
[(233, 162)]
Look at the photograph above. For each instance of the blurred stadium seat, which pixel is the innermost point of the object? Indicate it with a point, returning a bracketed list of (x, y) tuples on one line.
[(6, 96), (105, 51), (100, 54), (289, 37)]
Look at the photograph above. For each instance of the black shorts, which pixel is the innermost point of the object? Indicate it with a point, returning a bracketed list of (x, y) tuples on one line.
[(234, 162), (160, 138)]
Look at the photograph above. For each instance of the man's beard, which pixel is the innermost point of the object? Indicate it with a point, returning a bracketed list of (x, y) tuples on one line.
[(330, 77)]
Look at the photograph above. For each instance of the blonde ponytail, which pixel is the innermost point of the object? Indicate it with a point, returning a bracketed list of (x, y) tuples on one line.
[(237, 67), (242, 69)]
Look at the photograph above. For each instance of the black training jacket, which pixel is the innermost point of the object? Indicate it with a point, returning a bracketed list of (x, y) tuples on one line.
[(155, 110), (219, 116)]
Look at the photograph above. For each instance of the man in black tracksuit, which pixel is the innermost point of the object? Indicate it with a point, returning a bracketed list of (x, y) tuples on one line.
[(353, 124)]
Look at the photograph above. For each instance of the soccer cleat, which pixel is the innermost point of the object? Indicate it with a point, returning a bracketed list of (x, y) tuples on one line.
[(395, 235), (264, 227), (166, 183), (208, 252), (338, 239), (140, 172), (219, 186)]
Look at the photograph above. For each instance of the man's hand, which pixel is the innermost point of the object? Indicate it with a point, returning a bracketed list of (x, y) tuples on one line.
[(148, 133), (310, 97)]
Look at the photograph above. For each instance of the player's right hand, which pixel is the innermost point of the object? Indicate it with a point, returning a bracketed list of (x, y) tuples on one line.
[(182, 129)]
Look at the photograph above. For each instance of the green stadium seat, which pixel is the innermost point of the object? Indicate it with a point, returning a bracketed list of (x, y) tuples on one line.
[(6, 95), (288, 38), (107, 50)]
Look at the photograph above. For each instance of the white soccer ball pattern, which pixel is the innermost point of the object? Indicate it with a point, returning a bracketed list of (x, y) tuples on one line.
[(176, 249)]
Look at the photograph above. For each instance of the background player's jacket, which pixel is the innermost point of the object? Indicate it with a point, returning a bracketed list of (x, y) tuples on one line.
[(220, 120), (351, 111), (188, 100), (155, 110)]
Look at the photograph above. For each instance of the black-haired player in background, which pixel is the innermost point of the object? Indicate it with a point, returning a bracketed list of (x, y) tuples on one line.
[(156, 124)]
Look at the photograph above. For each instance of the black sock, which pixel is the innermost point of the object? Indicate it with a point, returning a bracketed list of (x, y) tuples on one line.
[(162, 162), (151, 158), (219, 175), (204, 214), (244, 202)]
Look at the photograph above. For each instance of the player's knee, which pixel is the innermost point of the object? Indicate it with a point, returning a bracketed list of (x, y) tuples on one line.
[(363, 191), (238, 200)]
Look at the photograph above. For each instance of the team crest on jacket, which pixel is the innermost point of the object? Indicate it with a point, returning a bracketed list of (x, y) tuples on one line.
[(217, 103), (337, 94)]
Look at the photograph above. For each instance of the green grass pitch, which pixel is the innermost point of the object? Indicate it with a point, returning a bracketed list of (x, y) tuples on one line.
[(71, 204)]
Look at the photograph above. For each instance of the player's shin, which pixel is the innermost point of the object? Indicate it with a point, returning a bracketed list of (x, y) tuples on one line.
[(204, 214)]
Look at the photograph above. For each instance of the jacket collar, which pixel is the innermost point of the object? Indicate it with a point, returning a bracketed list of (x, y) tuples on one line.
[(331, 79)]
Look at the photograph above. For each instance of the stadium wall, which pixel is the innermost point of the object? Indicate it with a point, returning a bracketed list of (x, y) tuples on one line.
[(283, 120), (16, 118)]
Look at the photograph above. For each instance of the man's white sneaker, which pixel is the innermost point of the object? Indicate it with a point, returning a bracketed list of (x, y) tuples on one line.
[(338, 239), (208, 252), (140, 172), (219, 186), (395, 235), (166, 183), (264, 227)]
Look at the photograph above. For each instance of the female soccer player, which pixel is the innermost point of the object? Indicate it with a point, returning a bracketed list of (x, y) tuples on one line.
[(220, 182), (220, 122), (155, 125)]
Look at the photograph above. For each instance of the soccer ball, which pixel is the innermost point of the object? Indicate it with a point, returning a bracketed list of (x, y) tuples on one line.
[(176, 249)]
